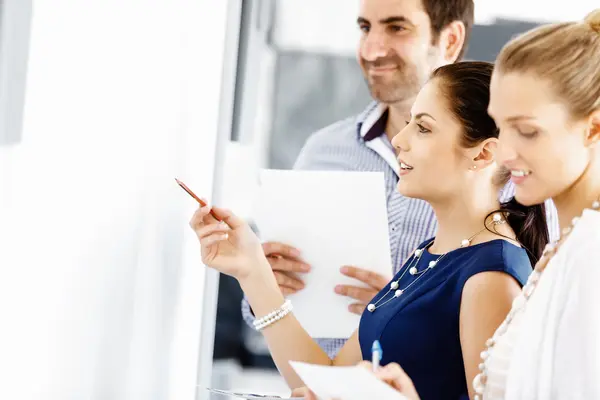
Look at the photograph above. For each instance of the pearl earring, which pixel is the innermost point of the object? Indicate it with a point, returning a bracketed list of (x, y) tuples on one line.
[(474, 166)]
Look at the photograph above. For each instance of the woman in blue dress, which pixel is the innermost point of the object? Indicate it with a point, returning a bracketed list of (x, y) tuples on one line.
[(454, 291)]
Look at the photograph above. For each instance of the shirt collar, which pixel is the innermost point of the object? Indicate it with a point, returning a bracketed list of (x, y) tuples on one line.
[(372, 122)]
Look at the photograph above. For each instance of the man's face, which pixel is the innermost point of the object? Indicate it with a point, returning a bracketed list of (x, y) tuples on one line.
[(396, 50)]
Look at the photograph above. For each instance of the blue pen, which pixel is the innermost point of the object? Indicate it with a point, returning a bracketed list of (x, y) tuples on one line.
[(376, 354)]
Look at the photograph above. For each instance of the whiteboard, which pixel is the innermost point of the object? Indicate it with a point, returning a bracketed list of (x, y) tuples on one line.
[(102, 293)]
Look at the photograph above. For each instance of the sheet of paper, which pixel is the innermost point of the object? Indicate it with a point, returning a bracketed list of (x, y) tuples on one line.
[(251, 396), (334, 218), (344, 383)]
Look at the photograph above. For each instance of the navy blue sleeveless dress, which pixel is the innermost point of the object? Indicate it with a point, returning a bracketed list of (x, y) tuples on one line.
[(420, 329)]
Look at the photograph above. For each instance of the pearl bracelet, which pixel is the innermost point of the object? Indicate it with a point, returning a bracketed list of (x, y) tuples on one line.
[(274, 316)]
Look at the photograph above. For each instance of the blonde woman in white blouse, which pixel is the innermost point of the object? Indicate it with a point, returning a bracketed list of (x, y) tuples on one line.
[(545, 98)]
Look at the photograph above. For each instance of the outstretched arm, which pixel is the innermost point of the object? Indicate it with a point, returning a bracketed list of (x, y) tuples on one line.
[(233, 249)]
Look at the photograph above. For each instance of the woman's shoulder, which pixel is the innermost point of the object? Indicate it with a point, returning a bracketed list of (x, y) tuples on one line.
[(499, 252), (500, 255)]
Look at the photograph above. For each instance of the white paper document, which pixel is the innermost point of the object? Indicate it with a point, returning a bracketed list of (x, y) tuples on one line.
[(335, 218), (344, 383)]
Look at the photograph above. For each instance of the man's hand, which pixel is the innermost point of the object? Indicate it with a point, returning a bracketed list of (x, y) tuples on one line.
[(374, 282), (286, 263)]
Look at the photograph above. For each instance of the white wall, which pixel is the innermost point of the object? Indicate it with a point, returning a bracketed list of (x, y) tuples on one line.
[(100, 281)]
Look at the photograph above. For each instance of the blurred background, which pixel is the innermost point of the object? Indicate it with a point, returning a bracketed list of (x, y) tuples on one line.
[(102, 104)]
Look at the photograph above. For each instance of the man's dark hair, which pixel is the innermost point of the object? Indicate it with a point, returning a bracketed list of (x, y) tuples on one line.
[(443, 12)]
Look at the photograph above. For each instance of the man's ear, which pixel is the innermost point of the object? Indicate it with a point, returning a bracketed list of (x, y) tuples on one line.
[(452, 41)]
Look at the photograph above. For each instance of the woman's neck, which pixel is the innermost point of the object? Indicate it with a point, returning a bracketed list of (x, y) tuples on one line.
[(461, 218), (571, 203)]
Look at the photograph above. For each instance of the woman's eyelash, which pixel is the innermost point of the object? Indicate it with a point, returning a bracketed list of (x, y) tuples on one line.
[(529, 135), (422, 129)]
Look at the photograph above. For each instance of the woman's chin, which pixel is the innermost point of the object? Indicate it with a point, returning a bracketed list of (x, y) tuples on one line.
[(405, 189), (528, 198)]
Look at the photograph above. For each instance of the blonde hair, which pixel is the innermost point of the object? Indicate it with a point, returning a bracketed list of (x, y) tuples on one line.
[(593, 20), (565, 54)]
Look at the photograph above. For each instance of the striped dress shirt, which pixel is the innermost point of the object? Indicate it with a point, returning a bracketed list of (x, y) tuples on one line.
[(359, 143)]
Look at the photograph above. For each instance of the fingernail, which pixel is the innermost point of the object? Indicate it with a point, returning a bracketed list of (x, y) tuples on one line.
[(225, 236), (305, 267), (295, 253), (338, 289), (344, 270)]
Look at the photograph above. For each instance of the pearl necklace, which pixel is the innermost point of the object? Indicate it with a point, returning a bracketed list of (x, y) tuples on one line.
[(412, 269), (518, 305)]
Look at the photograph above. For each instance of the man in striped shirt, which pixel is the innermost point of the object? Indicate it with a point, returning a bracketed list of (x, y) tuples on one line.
[(402, 42)]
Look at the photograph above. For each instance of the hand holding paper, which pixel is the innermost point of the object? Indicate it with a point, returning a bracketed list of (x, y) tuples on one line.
[(287, 264), (347, 383), (394, 375), (350, 383), (335, 218), (373, 284)]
